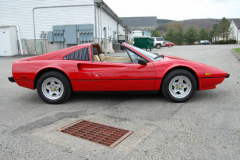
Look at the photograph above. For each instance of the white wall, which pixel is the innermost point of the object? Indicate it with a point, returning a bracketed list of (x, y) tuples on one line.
[(135, 33), (20, 12), (238, 37), (109, 23), (233, 31), (121, 29)]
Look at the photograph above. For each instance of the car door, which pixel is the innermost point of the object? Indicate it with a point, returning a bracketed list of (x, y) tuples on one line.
[(78, 66), (119, 76)]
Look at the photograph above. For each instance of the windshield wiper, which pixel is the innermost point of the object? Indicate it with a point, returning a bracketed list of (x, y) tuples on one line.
[(159, 56)]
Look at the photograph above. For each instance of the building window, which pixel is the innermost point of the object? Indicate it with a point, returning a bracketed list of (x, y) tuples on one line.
[(81, 55)]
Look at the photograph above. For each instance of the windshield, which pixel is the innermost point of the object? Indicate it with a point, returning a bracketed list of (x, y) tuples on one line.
[(152, 56)]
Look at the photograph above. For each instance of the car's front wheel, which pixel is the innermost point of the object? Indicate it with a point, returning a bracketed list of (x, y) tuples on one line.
[(158, 46), (53, 87), (179, 85)]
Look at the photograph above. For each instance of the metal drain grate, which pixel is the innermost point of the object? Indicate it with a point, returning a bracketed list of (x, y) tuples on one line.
[(95, 132)]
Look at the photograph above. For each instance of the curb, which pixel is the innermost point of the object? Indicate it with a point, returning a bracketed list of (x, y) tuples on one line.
[(235, 54)]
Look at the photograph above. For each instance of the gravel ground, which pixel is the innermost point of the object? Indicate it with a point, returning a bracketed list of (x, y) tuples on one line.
[(206, 127)]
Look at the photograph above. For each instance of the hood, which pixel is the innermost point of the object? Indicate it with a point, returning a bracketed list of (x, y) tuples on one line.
[(177, 58), (200, 69)]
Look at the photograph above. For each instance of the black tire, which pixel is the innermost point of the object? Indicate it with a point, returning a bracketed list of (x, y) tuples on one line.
[(59, 80), (158, 46), (187, 80)]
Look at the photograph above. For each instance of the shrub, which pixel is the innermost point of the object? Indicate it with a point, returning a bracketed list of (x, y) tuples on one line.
[(230, 41)]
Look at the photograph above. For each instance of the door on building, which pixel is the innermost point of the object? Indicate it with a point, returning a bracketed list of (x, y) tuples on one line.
[(5, 46), (8, 41)]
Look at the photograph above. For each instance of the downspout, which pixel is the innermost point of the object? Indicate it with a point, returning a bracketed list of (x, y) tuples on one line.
[(100, 14), (99, 28), (52, 7), (95, 17), (35, 48), (117, 32), (19, 39)]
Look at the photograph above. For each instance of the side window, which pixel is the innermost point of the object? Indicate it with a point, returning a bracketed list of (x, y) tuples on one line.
[(160, 39), (81, 55), (133, 56)]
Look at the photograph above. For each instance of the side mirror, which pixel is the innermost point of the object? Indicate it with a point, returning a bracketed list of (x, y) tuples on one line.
[(142, 61)]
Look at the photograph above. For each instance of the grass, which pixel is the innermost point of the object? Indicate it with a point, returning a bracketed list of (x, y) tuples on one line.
[(237, 50)]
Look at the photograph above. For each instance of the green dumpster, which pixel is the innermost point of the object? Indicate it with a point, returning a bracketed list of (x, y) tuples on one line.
[(144, 42)]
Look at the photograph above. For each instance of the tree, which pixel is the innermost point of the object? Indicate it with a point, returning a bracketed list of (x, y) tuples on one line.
[(223, 28), (191, 35), (156, 33), (174, 26), (179, 36), (202, 35), (195, 27), (162, 28), (170, 36), (212, 32)]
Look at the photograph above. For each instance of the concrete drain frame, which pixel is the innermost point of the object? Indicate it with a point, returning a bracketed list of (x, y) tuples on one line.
[(96, 132)]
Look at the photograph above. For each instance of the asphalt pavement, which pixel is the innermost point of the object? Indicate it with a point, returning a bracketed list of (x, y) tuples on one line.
[(205, 127)]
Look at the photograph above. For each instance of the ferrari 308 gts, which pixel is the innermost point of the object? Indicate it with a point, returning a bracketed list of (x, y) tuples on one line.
[(84, 68)]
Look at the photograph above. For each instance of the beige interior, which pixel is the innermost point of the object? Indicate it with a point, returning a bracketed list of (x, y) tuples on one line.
[(102, 57), (113, 59), (96, 58)]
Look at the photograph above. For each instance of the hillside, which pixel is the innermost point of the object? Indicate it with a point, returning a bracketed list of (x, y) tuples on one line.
[(197, 23), (192, 22)]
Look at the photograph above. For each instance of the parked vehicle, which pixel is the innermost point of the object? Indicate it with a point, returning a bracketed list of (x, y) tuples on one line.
[(84, 68), (158, 42), (169, 44), (205, 42)]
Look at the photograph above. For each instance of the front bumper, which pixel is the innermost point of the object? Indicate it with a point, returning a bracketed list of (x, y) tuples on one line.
[(228, 75), (11, 79)]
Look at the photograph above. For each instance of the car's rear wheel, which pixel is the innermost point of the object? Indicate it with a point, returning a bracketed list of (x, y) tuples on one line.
[(179, 85), (53, 87), (158, 46)]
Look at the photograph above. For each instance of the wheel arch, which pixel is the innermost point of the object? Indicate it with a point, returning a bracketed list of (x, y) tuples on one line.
[(45, 70), (185, 68)]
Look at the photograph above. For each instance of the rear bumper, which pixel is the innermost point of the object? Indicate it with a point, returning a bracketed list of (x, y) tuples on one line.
[(11, 79)]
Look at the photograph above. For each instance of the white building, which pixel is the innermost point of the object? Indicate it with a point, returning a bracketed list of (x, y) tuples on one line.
[(36, 18), (235, 30), (138, 33)]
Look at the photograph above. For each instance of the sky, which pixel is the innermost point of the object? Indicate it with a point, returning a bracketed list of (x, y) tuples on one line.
[(176, 9)]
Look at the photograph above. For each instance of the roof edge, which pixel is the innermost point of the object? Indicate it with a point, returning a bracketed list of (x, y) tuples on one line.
[(107, 9)]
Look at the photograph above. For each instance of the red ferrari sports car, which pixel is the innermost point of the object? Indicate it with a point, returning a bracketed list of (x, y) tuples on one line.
[(84, 68)]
